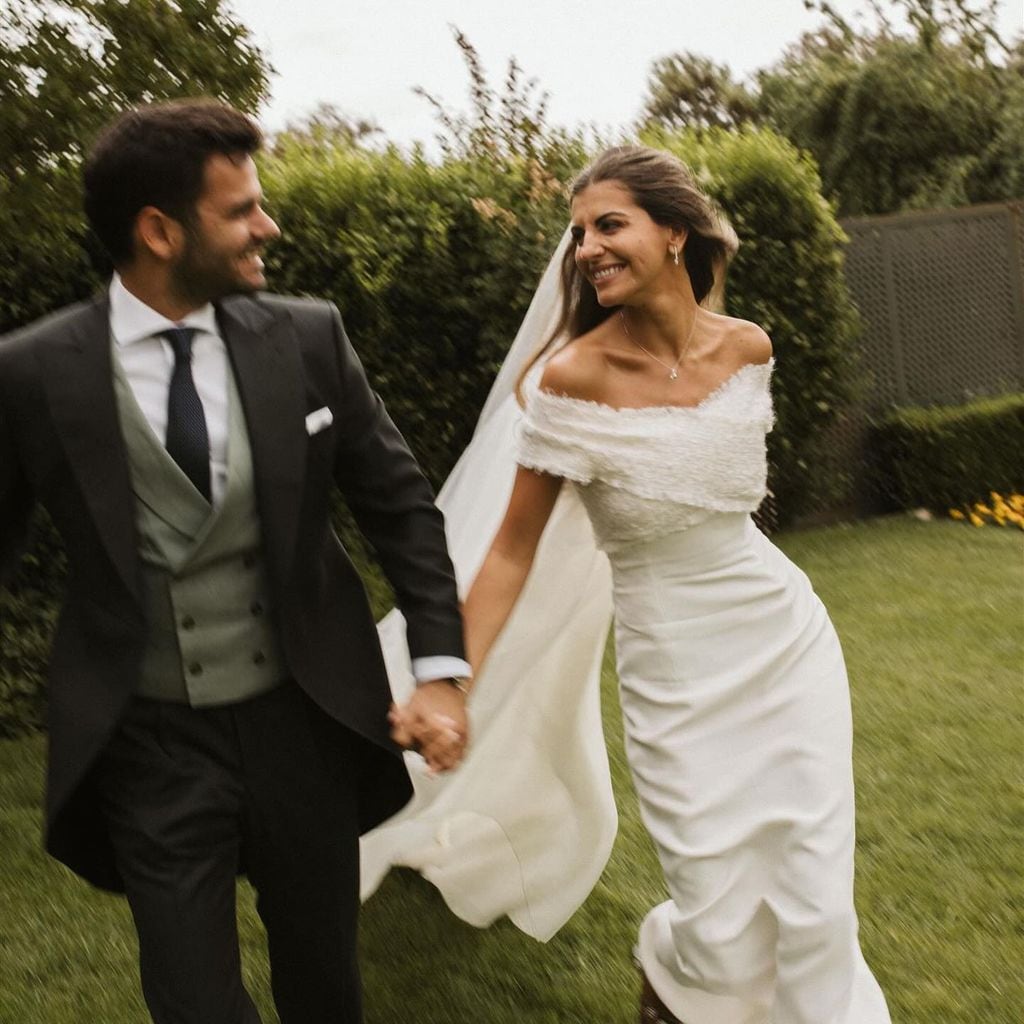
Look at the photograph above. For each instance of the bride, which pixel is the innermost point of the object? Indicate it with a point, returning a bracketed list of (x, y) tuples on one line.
[(630, 474)]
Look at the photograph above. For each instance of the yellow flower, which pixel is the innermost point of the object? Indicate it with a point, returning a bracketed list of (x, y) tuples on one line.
[(976, 520), (955, 513)]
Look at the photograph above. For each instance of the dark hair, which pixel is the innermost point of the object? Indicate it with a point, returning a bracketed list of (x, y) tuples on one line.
[(664, 187), (155, 156)]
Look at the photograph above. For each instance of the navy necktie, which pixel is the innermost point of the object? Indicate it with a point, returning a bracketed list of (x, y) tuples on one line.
[(187, 440)]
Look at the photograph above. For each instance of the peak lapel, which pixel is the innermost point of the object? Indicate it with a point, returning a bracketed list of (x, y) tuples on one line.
[(265, 358), (78, 377)]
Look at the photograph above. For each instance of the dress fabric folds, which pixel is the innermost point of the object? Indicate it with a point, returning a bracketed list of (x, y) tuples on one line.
[(733, 691), (735, 704), (525, 826)]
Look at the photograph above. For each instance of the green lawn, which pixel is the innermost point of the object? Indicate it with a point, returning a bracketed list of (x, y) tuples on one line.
[(932, 619)]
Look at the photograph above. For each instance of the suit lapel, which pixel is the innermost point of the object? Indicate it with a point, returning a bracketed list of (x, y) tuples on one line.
[(265, 358), (78, 377)]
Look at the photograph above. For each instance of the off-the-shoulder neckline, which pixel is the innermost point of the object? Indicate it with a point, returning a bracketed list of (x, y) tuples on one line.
[(658, 409)]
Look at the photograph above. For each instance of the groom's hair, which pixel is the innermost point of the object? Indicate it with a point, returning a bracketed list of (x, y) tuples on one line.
[(155, 156)]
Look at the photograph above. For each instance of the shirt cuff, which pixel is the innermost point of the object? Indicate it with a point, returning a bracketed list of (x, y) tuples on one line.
[(440, 666)]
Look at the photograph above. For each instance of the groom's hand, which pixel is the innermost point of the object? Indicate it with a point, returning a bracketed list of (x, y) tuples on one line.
[(434, 722)]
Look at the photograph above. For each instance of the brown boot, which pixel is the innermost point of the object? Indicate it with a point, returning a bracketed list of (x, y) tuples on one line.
[(652, 1009)]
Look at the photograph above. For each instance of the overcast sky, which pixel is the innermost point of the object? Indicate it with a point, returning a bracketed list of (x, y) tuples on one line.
[(592, 56)]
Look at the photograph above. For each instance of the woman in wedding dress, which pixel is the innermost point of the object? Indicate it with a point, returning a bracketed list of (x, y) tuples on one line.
[(652, 410)]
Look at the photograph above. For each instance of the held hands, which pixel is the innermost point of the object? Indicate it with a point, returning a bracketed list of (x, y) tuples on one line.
[(434, 723)]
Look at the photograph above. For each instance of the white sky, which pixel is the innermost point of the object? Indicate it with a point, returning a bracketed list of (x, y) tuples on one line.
[(592, 56)]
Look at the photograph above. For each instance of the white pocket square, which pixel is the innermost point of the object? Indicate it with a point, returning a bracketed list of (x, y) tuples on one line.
[(317, 420)]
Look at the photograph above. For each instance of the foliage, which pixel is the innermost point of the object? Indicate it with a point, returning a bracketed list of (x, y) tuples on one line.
[(326, 128), (929, 618), (686, 90), (787, 277), (28, 612), (67, 67), (918, 104), (902, 117), (507, 127), (433, 266), (941, 457)]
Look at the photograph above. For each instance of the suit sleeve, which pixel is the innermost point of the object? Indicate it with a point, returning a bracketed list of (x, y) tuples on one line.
[(15, 498), (393, 504)]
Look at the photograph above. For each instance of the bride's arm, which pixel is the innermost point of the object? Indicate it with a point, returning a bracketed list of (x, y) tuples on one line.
[(487, 607), (507, 564)]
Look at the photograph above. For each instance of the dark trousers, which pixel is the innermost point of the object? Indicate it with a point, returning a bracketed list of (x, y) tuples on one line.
[(194, 797)]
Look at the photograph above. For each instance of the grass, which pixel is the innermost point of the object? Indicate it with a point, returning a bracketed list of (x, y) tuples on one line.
[(931, 619)]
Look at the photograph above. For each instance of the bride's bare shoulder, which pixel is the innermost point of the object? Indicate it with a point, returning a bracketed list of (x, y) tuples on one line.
[(746, 342), (577, 369)]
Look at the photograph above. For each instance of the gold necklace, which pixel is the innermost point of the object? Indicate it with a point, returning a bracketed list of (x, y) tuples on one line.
[(673, 370)]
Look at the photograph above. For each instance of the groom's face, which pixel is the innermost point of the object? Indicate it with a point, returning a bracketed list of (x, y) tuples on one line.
[(229, 228)]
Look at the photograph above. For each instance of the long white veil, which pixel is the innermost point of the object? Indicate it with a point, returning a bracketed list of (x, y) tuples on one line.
[(525, 826)]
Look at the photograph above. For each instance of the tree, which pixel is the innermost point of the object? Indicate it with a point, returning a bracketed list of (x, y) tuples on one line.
[(900, 110), (327, 128), (66, 68), (687, 90)]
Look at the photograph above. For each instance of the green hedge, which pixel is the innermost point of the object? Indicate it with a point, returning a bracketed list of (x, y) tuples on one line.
[(28, 611), (945, 457), (433, 266), (787, 277)]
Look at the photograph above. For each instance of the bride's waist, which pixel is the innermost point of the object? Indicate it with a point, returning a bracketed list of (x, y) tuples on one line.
[(718, 538)]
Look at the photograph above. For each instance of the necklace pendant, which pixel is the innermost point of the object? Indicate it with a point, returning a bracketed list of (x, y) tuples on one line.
[(672, 374)]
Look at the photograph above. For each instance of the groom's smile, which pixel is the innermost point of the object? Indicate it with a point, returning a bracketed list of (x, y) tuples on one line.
[(223, 251)]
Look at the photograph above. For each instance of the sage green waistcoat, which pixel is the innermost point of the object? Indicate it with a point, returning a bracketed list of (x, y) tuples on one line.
[(211, 634)]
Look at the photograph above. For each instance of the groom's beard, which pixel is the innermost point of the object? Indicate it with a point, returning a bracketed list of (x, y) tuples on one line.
[(204, 275)]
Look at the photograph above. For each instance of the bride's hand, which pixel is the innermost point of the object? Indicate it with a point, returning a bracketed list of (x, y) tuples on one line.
[(434, 724)]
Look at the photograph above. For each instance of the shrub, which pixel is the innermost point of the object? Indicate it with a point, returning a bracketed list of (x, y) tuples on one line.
[(788, 278), (947, 456), (28, 611), (431, 266)]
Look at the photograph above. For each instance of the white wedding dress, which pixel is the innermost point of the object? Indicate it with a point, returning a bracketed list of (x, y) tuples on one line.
[(734, 697), (736, 708)]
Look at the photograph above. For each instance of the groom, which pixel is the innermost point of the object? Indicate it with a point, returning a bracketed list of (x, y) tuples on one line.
[(217, 700)]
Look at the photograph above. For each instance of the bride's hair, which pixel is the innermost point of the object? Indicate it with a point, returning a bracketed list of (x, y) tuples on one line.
[(664, 187)]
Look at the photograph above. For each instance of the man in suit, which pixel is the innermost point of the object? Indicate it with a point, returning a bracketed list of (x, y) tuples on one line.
[(218, 701)]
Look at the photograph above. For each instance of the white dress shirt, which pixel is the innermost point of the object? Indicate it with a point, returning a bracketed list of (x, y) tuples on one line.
[(148, 362)]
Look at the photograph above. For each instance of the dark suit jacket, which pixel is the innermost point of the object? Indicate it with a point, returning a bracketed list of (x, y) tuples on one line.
[(60, 445)]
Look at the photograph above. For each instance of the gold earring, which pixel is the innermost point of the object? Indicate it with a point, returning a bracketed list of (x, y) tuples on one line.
[(675, 255)]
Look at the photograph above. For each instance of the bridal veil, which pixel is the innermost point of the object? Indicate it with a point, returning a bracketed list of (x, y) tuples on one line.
[(525, 825)]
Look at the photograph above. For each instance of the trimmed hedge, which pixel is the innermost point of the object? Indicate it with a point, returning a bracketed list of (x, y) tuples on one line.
[(787, 277), (944, 457), (28, 613), (433, 267)]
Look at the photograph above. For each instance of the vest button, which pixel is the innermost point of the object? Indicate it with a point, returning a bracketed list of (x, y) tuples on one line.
[(195, 669), (248, 560), (188, 622), (256, 608), (258, 658)]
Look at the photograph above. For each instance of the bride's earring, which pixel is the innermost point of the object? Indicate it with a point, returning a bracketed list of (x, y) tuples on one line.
[(675, 255)]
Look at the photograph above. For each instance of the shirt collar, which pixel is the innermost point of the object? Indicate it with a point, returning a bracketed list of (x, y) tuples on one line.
[(132, 320)]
